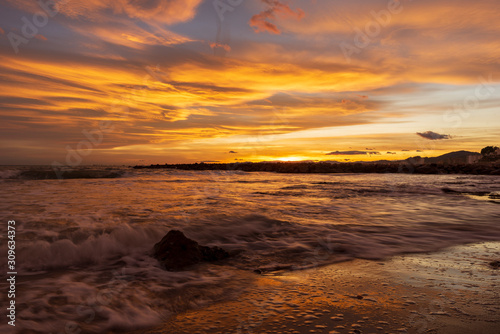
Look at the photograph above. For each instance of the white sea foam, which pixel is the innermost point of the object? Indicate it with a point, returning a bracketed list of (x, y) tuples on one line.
[(9, 173)]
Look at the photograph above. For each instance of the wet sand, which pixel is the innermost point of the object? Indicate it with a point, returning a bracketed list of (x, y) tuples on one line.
[(452, 291)]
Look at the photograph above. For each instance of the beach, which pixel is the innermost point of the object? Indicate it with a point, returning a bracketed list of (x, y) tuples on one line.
[(452, 291)]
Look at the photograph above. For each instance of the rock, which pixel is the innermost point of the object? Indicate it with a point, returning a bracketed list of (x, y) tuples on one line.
[(175, 251)]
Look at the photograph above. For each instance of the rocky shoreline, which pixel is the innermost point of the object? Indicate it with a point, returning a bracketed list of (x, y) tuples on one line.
[(328, 167)]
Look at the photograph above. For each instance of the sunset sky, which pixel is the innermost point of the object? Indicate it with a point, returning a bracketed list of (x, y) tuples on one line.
[(140, 82)]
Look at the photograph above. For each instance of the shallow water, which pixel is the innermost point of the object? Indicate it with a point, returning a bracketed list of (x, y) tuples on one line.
[(83, 245)]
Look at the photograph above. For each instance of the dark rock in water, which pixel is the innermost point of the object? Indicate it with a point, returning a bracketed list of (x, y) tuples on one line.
[(175, 251), (495, 264)]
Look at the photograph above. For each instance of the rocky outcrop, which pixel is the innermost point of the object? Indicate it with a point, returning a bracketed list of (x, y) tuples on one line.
[(176, 252), (406, 166)]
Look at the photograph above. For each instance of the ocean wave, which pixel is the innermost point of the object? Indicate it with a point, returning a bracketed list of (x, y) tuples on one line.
[(68, 174), (255, 240), (74, 247), (9, 173), (263, 242), (49, 173), (102, 280)]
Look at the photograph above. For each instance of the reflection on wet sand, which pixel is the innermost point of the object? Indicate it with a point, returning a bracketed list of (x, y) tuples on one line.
[(454, 291)]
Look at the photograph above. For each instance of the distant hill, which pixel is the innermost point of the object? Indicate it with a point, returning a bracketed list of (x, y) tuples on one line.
[(457, 157)]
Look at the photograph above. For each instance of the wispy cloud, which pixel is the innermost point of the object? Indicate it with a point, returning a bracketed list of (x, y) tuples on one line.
[(165, 11), (261, 22)]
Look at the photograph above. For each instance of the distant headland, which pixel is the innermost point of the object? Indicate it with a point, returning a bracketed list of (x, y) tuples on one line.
[(459, 162)]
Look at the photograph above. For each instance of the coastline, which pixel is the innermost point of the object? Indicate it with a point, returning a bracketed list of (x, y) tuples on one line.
[(449, 291), (406, 167)]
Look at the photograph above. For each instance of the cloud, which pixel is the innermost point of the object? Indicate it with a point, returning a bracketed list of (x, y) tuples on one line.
[(352, 153), (233, 152), (433, 135), (131, 23), (391, 153), (119, 61), (418, 30), (260, 22), (223, 46), (164, 11)]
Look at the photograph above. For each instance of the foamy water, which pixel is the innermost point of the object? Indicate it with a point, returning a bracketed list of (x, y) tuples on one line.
[(83, 245)]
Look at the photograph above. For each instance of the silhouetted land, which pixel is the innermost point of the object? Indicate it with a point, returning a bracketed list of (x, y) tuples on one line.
[(353, 167)]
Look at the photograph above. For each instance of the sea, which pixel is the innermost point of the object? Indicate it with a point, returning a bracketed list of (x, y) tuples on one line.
[(84, 245)]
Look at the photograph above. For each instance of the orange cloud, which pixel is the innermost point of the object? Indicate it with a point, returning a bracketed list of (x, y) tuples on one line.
[(260, 22), (226, 47), (164, 11)]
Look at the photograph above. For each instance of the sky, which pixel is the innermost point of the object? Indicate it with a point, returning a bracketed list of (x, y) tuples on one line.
[(171, 81)]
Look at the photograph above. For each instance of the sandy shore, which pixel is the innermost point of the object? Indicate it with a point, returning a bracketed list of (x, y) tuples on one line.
[(452, 291)]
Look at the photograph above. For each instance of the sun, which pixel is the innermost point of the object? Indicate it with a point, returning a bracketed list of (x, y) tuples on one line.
[(292, 158)]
